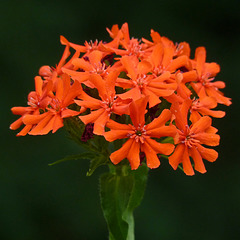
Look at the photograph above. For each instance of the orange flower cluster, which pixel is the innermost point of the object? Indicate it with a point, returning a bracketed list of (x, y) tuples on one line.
[(148, 93)]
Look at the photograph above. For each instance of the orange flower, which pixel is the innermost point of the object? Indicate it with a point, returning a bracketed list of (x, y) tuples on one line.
[(182, 91), (203, 107), (162, 60), (143, 84), (37, 100), (109, 103), (51, 73), (90, 46), (131, 46), (180, 49), (86, 67), (206, 73), (190, 139), (57, 109), (140, 136)]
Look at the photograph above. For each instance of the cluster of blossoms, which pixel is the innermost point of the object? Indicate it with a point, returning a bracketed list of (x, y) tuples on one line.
[(149, 94)]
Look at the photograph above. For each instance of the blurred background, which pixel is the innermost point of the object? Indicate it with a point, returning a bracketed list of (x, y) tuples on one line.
[(59, 202)]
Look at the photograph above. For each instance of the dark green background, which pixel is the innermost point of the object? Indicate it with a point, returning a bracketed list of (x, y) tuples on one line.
[(38, 202)]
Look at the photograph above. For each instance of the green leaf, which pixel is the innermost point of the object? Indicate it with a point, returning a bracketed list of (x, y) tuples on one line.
[(97, 162), (97, 147), (85, 155), (140, 180), (121, 192)]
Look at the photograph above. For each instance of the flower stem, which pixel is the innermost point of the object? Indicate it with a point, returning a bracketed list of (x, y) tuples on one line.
[(121, 191)]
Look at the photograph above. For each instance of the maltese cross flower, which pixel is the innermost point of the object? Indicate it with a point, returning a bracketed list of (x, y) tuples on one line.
[(101, 110), (190, 140), (140, 136)]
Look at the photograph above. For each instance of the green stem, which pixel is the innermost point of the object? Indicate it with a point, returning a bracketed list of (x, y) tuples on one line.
[(121, 191)]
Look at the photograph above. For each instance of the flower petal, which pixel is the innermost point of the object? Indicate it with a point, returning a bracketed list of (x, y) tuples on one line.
[(206, 153), (197, 158), (95, 57), (144, 67), (161, 92), (93, 104), (118, 126), (157, 55), (177, 63), (164, 131), (99, 83), (201, 125), (187, 166), (133, 93), (82, 64), (160, 121), (100, 123), (213, 92), (212, 68), (121, 153), (49, 125), (110, 83), (209, 139), (58, 123), (162, 148), (189, 76), (151, 156), (179, 119), (137, 111), (133, 155), (38, 85), (71, 93), (164, 76), (40, 126), (167, 56), (116, 134), (90, 118), (69, 113), (25, 130), (153, 98), (21, 110), (177, 155), (16, 124), (200, 57), (33, 119), (129, 64), (77, 76)]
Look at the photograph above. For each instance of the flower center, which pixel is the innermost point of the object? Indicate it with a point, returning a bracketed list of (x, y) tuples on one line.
[(99, 68), (140, 82), (55, 105), (109, 103), (187, 138), (91, 45), (196, 105), (205, 80), (157, 71), (33, 100), (139, 133), (134, 48)]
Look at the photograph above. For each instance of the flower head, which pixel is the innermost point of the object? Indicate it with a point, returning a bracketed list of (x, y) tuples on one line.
[(147, 94)]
